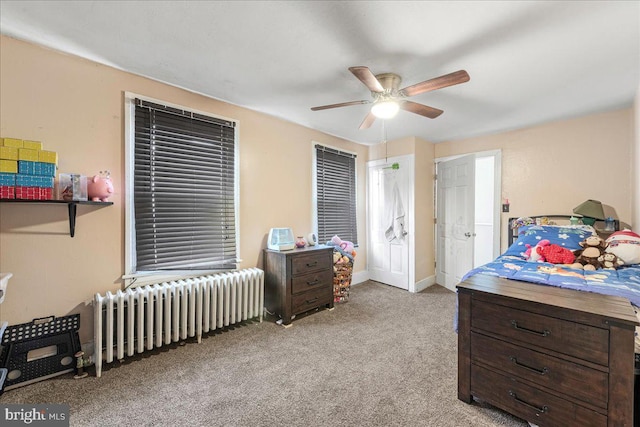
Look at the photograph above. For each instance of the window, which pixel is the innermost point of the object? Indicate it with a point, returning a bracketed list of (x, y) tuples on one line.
[(336, 194), (182, 187)]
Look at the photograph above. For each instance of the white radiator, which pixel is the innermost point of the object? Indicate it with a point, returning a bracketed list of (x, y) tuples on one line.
[(145, 317)]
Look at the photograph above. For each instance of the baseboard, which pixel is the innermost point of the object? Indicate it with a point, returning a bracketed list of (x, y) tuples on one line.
[(360, 277), (424, 283)]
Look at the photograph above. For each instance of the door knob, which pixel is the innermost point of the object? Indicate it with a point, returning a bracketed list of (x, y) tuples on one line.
[(468, 234)]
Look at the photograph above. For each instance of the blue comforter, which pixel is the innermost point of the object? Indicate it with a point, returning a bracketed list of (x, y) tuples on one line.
[(623, 282)]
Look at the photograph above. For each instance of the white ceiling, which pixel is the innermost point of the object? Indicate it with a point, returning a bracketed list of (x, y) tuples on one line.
[(530, 61)]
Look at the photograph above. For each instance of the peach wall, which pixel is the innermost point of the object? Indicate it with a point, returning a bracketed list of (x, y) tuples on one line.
[(551, 168), (75, 107)]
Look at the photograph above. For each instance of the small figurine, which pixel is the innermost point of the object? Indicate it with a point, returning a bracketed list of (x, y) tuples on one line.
[(100, 187)]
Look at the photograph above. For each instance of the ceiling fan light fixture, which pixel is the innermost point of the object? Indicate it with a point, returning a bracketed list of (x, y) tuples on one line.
[(385, 109)]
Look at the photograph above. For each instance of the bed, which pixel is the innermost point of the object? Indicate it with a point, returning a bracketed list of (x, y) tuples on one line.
[(551, 344)]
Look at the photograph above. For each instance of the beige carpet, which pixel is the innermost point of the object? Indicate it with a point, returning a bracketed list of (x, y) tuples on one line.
[(385, 358)]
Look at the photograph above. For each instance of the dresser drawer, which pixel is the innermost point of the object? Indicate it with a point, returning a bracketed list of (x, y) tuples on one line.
[(525, 401), (309, 263), (574, 339), (586, 384), (319, 279), (311, 299)]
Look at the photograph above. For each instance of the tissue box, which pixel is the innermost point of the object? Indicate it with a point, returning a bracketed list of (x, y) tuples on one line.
[(8, 166), (72, 186), (8, 153)]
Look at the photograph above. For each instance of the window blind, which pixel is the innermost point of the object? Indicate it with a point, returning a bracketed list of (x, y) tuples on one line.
[(336, 191), (184, 190)]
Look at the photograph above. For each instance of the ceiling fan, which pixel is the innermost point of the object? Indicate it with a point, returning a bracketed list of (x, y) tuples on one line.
[(388, 99)]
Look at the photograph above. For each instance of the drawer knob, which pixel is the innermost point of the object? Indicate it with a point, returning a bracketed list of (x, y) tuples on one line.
[(312, 264), (544, 333), (542, 410), (312, 300), (313, 282), (542, 371)]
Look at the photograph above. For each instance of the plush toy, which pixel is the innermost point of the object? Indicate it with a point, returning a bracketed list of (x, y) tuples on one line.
[(625, 244), (587, 257), (534, 253), (556, 254), (345, 245), (610, 261)]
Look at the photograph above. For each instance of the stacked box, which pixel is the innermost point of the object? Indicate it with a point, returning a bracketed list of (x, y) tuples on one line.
[(8, 166), (48, 157), (33, 145), (7, 186), (28, 154), (36, 168), (12, 142), (34, 193), (34, 181), (8, 153), (26, 170), (7, 192)]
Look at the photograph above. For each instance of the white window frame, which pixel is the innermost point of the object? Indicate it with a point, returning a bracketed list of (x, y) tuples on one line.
[(314, 186), (140, 278)]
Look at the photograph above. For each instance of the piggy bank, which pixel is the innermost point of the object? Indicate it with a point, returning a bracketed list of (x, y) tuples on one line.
[(100, 187)]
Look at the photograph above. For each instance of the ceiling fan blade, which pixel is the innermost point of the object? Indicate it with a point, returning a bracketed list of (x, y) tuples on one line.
[(342, 104), (366, 76), (368, 121), (436, 83), (421, 109)]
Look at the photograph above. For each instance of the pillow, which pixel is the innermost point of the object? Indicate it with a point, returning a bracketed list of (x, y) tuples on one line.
[(567, 236), (625, 245)]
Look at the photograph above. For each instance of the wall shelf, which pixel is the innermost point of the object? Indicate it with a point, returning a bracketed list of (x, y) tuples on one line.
[(71, 205)]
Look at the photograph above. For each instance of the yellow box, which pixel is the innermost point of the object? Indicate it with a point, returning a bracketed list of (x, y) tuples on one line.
[(48, 157), (32, 145), (27, 154), (9, 153), (9, 166), (12, 142)]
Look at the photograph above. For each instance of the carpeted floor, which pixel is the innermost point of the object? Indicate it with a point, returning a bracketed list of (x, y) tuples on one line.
[(385, 358)]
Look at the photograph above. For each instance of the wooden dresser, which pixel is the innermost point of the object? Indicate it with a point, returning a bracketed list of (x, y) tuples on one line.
[(552, 356), (298, 280)]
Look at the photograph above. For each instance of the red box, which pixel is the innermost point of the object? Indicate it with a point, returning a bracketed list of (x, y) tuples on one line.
[(7, 192), (33, 193), (27, 193), (46, 193)]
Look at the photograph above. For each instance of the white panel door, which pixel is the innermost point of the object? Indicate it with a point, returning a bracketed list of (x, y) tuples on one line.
[(390, 194), (455, 200)]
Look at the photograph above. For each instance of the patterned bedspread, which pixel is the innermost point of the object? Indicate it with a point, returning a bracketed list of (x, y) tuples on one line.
[(623, 282)]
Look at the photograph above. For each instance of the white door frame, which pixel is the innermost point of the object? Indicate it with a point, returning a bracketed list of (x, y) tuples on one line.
[(497, 154), (407, 161)]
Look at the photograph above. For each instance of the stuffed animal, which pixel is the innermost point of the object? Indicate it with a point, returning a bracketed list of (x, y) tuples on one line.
[(587, 257), (610, 261), (556, 254), (534, 253), (625, 244), (345, 245)]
